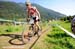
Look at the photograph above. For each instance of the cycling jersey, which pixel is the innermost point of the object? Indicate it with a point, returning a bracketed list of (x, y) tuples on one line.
[(33, 15), (32, 11)]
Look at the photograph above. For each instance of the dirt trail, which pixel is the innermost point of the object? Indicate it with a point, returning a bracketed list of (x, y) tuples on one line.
[(8, 41)]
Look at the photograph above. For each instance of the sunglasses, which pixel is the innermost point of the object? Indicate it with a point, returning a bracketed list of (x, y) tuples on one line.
[(27, 5)]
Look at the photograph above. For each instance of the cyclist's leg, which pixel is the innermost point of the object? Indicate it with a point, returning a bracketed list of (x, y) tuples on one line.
[(37, 24), (30, 26), (30, 31)]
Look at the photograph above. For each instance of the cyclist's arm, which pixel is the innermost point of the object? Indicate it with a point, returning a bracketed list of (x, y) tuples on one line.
[(38, 14), (28, 15)]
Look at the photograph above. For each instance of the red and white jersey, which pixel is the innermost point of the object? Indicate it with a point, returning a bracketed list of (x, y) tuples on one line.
[(32, 11)]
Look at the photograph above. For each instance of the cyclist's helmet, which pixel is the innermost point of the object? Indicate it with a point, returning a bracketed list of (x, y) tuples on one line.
[(27, 3)]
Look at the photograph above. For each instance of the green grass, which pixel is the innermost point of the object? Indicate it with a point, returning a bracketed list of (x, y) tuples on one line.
[(59, 40), (65, 24), (5, 29), (56, 38)]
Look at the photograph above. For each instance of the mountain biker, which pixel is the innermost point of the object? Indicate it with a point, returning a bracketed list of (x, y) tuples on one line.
[(33, 15)]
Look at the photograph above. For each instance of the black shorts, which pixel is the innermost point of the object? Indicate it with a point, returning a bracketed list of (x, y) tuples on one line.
[(34, 18)]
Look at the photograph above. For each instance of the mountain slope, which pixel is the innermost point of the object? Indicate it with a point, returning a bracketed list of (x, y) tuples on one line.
[(12, 10), (47, 13)]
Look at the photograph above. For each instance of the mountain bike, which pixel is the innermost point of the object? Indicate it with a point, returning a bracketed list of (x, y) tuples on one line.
[(34, 31)]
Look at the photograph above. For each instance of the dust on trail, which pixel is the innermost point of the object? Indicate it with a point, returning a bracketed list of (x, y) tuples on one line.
[(13, 41)]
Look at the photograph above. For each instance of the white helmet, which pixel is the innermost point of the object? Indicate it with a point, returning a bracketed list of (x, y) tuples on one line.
[(27, 3)]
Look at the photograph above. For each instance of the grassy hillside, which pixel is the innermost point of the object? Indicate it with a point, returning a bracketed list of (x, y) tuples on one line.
[(12, 10)]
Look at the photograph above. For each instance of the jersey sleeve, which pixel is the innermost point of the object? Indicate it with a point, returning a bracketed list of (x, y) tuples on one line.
[(35, 8)]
